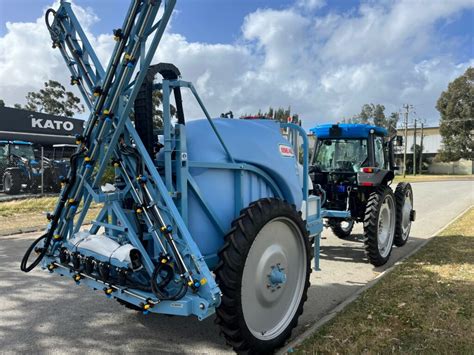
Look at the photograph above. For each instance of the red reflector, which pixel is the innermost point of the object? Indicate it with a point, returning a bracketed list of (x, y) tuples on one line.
[(366, 184), (367, 170)]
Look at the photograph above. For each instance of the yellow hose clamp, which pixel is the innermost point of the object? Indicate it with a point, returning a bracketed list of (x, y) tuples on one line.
[(139, 210), (56, 237), (71, 201), (87, 159), (203, 281)]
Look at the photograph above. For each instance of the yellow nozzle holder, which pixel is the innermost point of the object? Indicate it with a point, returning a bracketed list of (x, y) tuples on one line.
[(71, 200), (116, 165), (63, 184), (96, 94), (87, 159), (190, 283), (203, 281), (139, 210), (127, 56), (51, 267), (164, 261), (146, 306), (56, 237), (105, 112), (109, 291), (77, 277)]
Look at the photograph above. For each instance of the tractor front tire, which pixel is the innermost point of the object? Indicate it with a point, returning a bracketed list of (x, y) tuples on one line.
[(405, 213), (12, 182), (379, 225), (263, 273), (342, 228)]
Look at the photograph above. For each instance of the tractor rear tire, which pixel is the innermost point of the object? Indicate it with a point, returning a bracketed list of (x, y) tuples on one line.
[(341, 231), (404, 200), (379, 225), (12, 182), (263, 273)]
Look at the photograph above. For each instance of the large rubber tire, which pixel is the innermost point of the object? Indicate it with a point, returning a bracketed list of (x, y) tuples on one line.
[(12, 182), (341, 230), (268, 231), (404, 200), (379, 225)]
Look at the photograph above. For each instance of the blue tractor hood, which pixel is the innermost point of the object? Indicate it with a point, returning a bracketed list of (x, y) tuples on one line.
[(347, 130)]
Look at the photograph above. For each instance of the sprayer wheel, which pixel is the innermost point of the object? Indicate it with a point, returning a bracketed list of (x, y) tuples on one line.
[(264, 274)]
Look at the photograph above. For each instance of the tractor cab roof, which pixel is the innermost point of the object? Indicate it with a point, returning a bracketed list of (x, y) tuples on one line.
[(347, 130), (15, 142)]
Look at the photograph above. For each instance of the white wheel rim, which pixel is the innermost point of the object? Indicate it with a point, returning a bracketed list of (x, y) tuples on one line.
[(386, 226), (268, 307), (406, 214)]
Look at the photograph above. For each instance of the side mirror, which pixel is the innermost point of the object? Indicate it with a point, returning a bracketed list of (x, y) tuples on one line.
[(399, 141)]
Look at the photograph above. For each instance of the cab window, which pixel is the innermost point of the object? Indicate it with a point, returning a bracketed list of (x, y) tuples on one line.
[(379, 152)]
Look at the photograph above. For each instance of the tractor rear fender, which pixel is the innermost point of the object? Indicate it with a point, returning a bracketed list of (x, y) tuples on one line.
[(375, 178)]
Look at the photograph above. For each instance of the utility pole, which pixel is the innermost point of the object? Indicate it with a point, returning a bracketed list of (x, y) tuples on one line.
[(421, 149), (414, 150), (407, 108)]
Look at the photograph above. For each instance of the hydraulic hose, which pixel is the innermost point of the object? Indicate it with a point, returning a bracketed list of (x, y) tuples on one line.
[(23, 265)]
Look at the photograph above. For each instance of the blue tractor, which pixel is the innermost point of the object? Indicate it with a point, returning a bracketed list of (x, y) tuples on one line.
[(217, 219), (352, 166), (19, 170)]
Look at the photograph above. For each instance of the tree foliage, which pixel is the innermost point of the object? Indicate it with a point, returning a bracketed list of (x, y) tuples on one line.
[(54, 99), (456, 108), (280, 114), (157, 99), (375, 114), (2, 103)]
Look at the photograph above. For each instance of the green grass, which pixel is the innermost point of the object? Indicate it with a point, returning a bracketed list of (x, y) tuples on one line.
[(426, 305), (30, 214), (425, 178)]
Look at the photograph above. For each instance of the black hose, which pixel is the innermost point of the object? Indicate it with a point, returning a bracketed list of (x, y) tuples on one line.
[(46, 18), (158, 289), (44, 249)]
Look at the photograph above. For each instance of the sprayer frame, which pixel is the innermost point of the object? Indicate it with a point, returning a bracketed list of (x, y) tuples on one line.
[(169, 201)]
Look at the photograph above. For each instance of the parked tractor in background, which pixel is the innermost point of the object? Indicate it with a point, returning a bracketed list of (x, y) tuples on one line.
[(19, 170), (57, 167), (351, 168)]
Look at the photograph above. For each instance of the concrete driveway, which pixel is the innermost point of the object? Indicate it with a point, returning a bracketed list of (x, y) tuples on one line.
[(42, 313)]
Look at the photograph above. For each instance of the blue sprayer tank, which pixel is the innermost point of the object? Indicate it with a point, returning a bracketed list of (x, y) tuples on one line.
[(256, 142)]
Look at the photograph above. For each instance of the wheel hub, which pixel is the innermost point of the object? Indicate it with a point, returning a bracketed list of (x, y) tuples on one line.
[(276, 277)]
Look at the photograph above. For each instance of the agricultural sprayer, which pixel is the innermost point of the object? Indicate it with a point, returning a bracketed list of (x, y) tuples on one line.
[(216, 219)]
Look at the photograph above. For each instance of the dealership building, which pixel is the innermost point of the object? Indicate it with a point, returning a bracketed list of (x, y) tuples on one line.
[(41, 129)]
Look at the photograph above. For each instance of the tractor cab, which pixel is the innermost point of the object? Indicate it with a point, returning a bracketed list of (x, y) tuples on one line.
[(356, 153)]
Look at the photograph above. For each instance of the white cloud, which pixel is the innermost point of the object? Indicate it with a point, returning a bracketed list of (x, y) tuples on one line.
[(311, 4), (325, 67)]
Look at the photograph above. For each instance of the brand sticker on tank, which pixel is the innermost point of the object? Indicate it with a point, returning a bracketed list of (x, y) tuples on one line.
[(286, 151)]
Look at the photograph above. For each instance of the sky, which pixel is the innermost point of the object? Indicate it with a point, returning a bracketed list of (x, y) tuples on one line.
[(323, 58)]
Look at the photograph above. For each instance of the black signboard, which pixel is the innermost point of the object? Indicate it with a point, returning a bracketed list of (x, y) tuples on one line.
[(40, 128)]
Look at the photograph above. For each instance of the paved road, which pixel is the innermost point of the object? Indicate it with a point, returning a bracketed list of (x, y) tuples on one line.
[(41, 313)]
